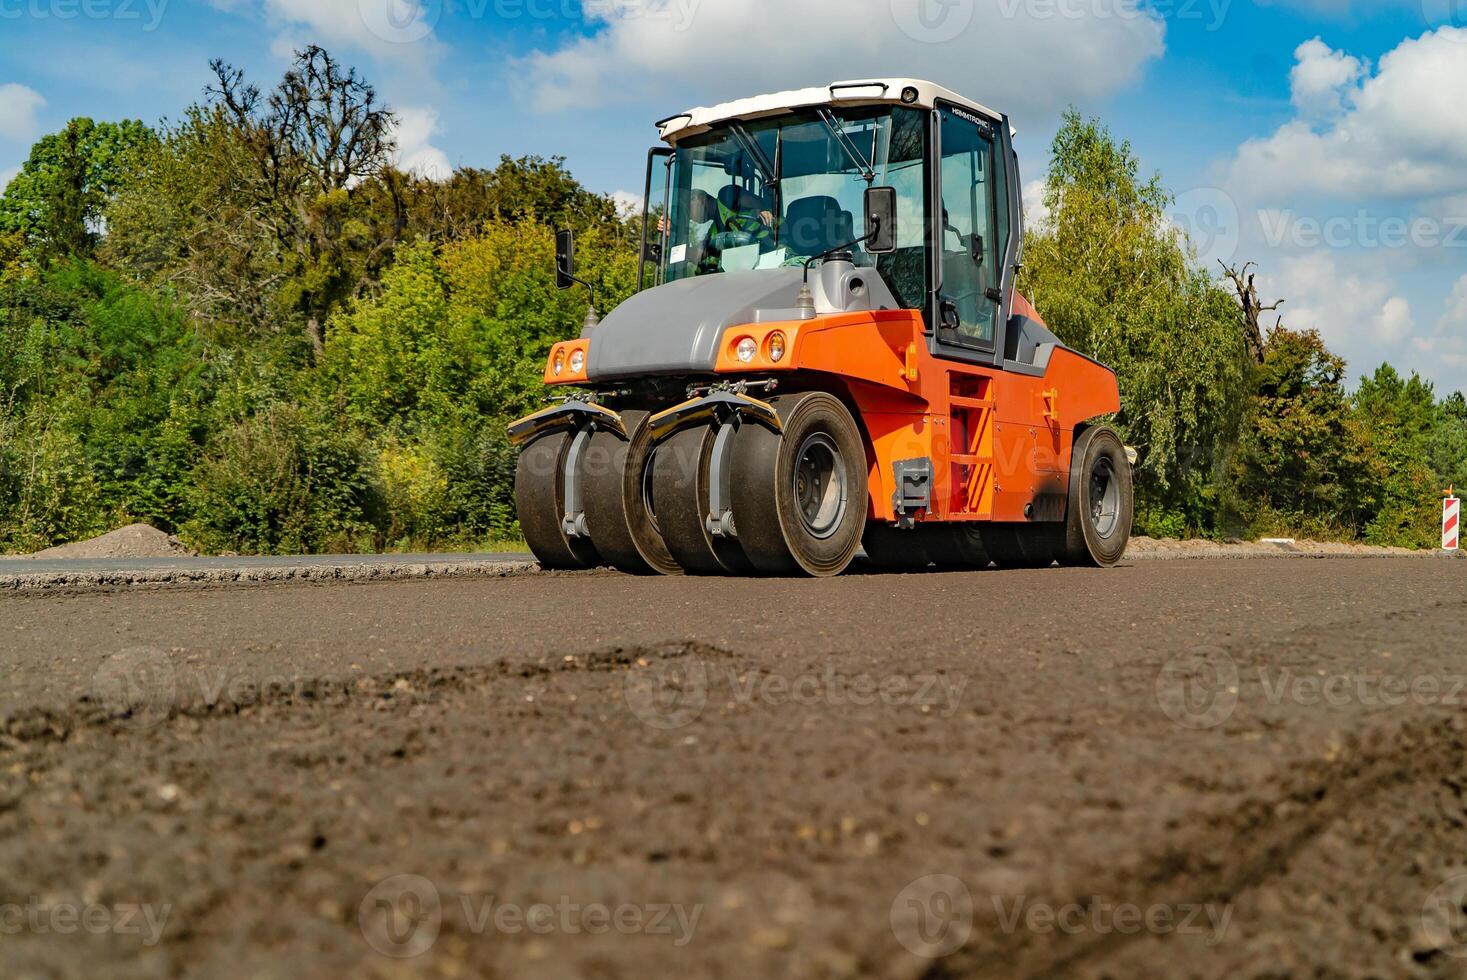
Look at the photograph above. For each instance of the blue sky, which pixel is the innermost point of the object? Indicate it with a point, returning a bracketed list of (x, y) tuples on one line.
[(1324, 139)]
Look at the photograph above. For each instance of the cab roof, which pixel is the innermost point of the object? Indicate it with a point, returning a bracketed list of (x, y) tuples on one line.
[(870, 91)]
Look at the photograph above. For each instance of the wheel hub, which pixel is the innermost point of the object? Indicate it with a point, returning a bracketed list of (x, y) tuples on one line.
[(820, 485), (1105, 498)]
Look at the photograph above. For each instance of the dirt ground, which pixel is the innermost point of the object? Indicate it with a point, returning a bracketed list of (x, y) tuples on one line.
[(1204, 768)]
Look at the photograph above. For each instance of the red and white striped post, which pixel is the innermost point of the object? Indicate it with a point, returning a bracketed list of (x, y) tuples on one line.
[(1452, 522)]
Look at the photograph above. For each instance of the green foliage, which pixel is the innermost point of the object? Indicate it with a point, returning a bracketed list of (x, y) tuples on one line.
[(1399, 417), (57, 201), (1303, 462), (1114, 282)]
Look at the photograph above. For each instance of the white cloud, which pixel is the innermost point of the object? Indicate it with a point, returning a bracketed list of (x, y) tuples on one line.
[(416, 126), (1036, 214), (1021, 58), (1395, 133), (1354, 308), (627, 203), (1320, 77), (392, 30), (6, 176), (1456, 314), (18, 108)]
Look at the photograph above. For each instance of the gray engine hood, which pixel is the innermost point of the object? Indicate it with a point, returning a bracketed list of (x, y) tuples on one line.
[(677, 328)]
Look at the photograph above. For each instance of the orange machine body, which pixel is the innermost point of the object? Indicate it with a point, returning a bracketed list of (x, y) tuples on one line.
[(999, 441)]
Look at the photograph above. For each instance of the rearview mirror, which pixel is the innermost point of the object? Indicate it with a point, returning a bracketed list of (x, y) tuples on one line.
[(565, 269), (881, 220)]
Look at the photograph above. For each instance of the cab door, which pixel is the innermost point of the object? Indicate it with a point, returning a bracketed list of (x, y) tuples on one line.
[(966, 238)]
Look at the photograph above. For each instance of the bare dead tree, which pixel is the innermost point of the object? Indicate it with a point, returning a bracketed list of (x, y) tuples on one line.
[(1253, 308)]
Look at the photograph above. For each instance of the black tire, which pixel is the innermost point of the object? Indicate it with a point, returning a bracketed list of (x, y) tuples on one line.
[(1102, 507), (539, 496), (957, 546), (1024, 545), (783, 530), (680, 490), (615, 475), (894, 548)]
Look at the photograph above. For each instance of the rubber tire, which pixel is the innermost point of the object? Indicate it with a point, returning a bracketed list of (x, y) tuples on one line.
[(765, 516), (612, 475), (1083, 545), (1024, 545), (894, 549), (680, 495), (539, 496), (957, 546)]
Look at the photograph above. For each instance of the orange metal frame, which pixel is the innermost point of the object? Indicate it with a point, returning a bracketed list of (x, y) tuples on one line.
[(999, 441)]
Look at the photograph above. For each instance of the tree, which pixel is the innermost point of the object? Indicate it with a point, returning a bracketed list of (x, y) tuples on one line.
[(1112, 281), (1449, 443), (1253, 308), (1302, 464), (58, 200), (1399, 418)]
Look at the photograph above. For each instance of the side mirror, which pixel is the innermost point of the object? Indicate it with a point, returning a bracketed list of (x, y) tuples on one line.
[(881, 220), (565, 257)]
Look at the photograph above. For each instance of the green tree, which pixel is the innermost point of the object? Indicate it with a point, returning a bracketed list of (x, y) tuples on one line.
[(1449, 443), (1113, 281), (1399, 418), (1302, 465), (58, 200)]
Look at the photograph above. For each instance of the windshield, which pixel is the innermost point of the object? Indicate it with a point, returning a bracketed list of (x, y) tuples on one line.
[(776, 192)]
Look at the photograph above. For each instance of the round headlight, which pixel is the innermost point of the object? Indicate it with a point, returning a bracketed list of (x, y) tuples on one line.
[(578, 362), (746, 349), (559, 365), (776, 347)]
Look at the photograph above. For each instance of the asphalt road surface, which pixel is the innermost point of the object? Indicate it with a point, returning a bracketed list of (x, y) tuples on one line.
[(1199, 768)]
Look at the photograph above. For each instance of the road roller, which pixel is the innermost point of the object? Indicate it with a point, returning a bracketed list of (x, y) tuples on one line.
[(825, 355)]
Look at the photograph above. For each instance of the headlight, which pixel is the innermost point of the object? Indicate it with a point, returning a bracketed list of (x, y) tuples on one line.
[(747, 349), (775, 347), (559, 365), (578, 362)]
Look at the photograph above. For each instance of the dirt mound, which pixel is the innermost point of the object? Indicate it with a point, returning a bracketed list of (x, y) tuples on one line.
[(1196, 548), (133, 541)]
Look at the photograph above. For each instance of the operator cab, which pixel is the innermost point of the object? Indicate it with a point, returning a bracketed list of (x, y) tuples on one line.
[(775, 181)]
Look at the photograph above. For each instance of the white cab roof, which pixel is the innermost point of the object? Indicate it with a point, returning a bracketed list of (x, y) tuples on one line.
[(868, 91)]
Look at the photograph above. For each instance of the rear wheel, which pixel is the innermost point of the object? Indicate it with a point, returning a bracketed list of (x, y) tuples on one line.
[(617, 475), (1101, 505), (799, 497), (681, 494), (539, 493)]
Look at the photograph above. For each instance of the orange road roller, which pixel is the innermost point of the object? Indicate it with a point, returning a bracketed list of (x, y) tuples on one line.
[(826, 354)]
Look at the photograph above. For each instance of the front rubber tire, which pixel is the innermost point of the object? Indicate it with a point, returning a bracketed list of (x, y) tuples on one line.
[(539, 496), (781, 531), (1099, 518), (614, 474), (680, 489)]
